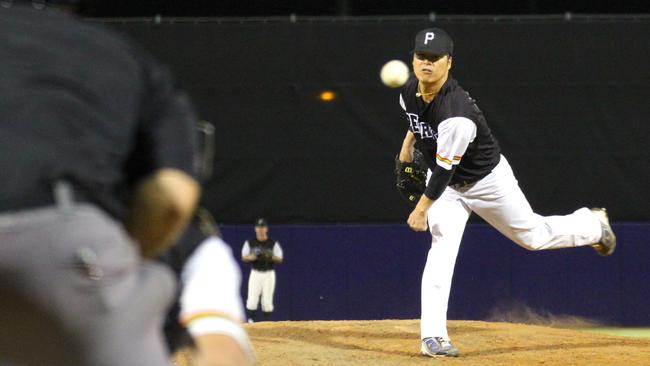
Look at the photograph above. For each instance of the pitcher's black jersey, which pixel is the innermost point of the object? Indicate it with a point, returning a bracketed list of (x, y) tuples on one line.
[(452, 105)]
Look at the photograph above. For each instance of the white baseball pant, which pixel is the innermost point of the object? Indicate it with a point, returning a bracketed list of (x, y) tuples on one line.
[(498, 199), (261, 283)]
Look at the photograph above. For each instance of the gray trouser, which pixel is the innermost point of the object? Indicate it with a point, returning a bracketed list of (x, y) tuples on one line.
[(74, 291)]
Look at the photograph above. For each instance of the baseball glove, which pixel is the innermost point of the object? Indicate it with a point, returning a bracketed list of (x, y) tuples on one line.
[(264, 255), (410, 178)]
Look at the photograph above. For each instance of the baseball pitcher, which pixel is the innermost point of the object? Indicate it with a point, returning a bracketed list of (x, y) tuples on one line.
[(467, 173)]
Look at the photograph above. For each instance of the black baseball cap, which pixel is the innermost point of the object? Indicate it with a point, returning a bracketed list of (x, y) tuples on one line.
[(261, 222), (434, 42)]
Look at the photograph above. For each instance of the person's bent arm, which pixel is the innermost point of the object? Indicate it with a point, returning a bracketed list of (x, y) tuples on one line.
[(246, 254), (161, 207), (214, 349), (454, 136), (249, 258), (212, 309), (406, 152), (278, 255)]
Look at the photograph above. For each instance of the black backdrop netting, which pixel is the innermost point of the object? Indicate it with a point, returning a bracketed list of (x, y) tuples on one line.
[(568, 102), (249, 8)]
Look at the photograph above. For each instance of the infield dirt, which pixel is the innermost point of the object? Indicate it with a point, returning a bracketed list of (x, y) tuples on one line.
[(396, 342)]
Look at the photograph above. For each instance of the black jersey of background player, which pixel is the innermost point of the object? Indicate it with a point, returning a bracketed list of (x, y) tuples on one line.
[(482, 154), (264, 252)]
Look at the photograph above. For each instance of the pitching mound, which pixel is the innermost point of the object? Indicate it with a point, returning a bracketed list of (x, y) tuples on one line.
[(396, 342)]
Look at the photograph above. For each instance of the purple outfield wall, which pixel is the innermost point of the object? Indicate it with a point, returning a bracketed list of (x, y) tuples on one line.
[(373, 272)]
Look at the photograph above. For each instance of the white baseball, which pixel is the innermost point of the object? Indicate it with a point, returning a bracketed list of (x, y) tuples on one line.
[(394, 73)]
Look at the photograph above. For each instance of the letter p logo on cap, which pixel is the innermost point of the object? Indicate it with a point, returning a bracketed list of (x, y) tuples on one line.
[(429, 36)]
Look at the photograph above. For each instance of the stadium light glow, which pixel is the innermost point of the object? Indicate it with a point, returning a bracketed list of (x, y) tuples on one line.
[(327, 96)]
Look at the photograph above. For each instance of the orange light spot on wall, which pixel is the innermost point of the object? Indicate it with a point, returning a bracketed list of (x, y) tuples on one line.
[(327, 96)]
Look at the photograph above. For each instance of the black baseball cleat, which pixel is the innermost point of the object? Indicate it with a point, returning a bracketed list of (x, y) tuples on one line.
[(607, 243), (438, 346)]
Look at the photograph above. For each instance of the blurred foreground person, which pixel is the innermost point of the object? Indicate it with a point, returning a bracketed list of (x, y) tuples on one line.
[(96, 157), (208, 313)]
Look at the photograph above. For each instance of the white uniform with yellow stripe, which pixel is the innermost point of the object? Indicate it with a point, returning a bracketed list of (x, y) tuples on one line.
[(210, 301), (454, 136)]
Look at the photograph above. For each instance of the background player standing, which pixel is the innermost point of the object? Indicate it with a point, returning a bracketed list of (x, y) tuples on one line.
[(467, 173), (263, 253)]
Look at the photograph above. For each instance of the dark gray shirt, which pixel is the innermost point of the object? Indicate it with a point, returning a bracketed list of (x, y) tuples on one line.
[(448, 113), (82, 104)]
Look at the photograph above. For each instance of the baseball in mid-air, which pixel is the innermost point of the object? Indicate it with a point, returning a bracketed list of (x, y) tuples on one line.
[(394, 73)]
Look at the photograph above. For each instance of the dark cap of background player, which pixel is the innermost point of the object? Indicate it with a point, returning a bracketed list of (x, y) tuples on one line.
[(433, 42), (261, 222)]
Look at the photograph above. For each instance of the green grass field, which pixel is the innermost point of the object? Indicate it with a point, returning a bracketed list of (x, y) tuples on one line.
[(620, 331)]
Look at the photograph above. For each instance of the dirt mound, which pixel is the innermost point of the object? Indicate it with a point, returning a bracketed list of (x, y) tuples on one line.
[(396, 342)]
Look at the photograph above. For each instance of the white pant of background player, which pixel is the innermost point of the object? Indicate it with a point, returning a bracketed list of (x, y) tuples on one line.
[(498, 199), (261, 283)]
